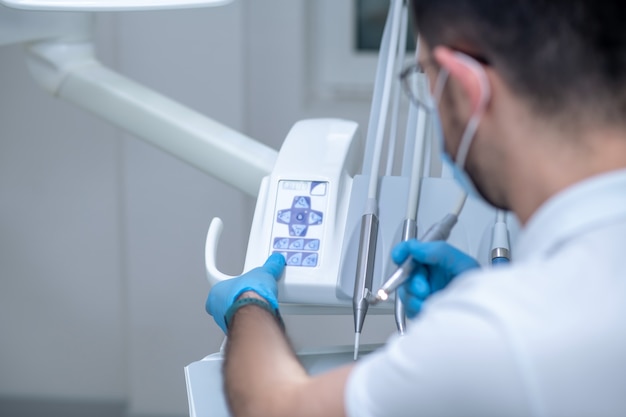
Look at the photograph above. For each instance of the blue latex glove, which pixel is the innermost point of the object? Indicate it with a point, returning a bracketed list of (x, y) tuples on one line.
[(439, 263), (261, 280)]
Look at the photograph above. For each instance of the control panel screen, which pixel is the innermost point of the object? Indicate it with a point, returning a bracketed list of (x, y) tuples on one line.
[(298, 226)]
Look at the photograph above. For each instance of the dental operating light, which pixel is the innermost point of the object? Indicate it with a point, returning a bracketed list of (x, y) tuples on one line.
[(108, 5), (60, 55)]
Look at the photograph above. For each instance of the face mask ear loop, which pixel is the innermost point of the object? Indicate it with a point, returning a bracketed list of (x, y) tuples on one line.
[(472, 125), (442, 79), (466, 139)]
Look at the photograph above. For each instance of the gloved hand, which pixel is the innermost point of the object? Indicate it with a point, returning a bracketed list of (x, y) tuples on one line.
[(261, 280), (439, 263)]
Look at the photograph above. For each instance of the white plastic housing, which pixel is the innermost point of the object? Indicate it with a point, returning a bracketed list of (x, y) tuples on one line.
[(312, 178)]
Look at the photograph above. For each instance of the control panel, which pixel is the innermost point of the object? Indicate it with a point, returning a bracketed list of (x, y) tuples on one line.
[(302, 208), (299, 221)]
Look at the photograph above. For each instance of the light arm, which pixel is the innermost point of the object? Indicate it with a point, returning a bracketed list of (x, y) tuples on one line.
[(69, 70), (263, 376), (60, 56)]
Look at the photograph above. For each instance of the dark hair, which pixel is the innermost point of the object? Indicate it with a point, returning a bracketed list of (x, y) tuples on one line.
[(559, 54)]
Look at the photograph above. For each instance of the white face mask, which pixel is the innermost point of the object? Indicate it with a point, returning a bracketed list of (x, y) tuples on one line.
[(458, 166)]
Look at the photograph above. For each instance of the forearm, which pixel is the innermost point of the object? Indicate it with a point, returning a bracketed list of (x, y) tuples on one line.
[(259, 364), (263, 376)]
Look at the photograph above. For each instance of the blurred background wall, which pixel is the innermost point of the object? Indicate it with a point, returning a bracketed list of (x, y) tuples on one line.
[(102, 283)]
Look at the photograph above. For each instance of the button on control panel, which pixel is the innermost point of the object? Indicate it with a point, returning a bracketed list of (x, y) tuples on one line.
[(298, 227)]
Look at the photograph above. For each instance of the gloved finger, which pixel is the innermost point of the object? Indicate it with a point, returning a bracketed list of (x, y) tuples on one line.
[(431, 253), (275, 265), (418, 285), (262, 280), (442, 254), (211, 308), (400, 252), (412, 305)]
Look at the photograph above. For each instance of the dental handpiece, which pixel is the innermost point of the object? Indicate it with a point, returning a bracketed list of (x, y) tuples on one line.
[(364, 275), (439, 231)]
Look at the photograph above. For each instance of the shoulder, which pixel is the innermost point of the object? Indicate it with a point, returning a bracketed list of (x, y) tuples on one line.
[(458, 344)]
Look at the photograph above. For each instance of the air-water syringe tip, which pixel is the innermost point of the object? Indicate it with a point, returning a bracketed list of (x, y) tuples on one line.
[(357, 340)]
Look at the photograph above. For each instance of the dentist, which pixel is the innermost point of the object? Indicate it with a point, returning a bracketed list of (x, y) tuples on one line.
[(531, 96)]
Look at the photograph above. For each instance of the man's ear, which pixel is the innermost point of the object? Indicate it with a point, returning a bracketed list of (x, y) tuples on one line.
[(468, 73)]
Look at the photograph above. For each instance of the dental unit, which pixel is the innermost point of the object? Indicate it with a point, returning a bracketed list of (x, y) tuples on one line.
[(325, 200)]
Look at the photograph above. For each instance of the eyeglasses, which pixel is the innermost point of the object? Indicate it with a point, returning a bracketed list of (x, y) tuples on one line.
[(416, 85)]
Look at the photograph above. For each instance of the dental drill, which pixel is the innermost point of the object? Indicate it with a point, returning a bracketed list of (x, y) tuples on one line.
[(439, 231)]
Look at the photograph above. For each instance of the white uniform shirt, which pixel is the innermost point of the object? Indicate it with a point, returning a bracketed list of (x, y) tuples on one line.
[(544, 336)]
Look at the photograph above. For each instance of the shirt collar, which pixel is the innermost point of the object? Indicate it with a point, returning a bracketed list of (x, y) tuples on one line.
[(593, 202)]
